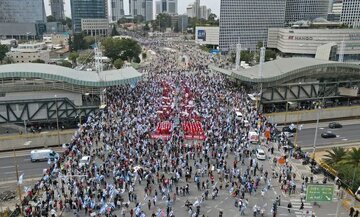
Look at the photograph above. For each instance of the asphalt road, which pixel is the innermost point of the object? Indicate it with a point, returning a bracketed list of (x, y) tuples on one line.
[(346, 134), (25, 166)]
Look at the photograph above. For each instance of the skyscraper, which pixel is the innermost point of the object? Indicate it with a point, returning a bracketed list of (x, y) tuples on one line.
[(172, 6), (149, 10), (117, 9), (57, 9), (350, 13), (142, 8), (306, 9), (22, 11), (87, 9), (247, 21), (166, 6)]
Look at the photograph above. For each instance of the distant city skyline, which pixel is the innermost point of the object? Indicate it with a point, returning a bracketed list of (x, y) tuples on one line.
[(214, 5)]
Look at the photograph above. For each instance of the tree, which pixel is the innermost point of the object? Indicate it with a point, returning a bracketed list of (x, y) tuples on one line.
[(73, 56), (85, 57), (335, 156), (50, 18), (146, 27), (68, 22), (353, 157), (38, 61), (114, 31), (118, 63), (80, 42), (125, 49), (65, 63), (8, 60), (164, 20), (3, 50)]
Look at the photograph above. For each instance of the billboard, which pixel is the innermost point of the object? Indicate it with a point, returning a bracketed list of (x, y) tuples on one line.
[(201, 35)]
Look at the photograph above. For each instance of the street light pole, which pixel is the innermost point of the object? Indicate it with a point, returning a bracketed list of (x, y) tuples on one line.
[(57, 120), (316, 131), (17, 179)]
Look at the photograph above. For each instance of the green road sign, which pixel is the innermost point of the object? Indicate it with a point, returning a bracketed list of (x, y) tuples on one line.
[(319, 193)]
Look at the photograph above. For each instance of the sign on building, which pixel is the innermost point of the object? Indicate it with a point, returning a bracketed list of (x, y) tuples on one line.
[(319, 193), (201, 35)]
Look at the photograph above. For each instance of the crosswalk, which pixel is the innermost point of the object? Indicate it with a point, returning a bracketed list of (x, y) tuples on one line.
[(296, 203)]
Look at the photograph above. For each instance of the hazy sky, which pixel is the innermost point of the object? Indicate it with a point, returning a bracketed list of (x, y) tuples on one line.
[(213, 4)]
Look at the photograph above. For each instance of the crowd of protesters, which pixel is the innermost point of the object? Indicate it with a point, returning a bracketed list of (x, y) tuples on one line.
[(113, 167)]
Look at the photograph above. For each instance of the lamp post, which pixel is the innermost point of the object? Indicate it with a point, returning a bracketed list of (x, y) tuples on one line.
[(57, 120), (316, 130)]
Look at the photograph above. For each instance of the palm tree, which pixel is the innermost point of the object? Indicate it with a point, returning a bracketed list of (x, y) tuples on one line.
[(334, 156), (353, 159)]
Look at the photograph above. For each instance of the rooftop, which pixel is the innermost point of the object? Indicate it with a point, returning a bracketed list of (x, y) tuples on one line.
[(68, 75), (280, 68)]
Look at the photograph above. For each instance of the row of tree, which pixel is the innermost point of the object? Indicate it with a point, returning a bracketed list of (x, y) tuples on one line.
[(346, 163)]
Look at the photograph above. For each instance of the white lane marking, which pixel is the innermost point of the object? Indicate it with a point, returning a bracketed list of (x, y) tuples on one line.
[(12, 172), (6, 167)]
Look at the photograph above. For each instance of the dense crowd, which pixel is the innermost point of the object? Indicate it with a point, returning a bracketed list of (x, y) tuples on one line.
[(129, 173)]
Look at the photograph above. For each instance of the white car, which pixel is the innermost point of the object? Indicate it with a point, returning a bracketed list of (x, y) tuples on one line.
[(84, 161), (260, 154)]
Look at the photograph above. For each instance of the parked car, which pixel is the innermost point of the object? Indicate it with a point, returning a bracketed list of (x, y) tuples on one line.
[(328, 135), (260, 154), (333, 125), (289, 129)]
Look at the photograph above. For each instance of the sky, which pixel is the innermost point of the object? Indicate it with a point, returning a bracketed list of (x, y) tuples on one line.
[(182, 4)]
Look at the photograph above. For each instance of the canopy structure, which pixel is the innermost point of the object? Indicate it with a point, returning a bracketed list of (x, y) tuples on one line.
[(70, 76)]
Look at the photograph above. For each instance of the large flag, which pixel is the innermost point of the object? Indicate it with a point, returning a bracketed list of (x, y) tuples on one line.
[(21, 178)]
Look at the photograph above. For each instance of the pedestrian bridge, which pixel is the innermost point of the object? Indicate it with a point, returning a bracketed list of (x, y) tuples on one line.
[(299, 80)]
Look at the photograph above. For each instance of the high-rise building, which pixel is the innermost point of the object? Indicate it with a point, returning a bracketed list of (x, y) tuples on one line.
[(247, 21), (158, 7), (142, 8), (57, 9), (172, 6), (197, 8), (167, 6), (117, 9), (87, 9), (204, 12), (350, 13), (22, 11), (190, 11), (149, 10), (306, 9)]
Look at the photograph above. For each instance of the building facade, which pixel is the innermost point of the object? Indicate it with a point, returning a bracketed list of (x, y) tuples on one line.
[(26, 53), (305, 42), (87, 9), (95, 27), (142, 8), (306, 9), (22, 11), (247, 21), (117, 10), (166, 6), (350, 13), (57, 9)]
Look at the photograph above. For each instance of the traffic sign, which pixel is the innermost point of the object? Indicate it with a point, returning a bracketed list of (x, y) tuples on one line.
[(319, 193)]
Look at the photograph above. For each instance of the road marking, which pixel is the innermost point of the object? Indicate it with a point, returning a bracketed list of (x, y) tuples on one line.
[(12, 172), (6, 167), (208, 211)]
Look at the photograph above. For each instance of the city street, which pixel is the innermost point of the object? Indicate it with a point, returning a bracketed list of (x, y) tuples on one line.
[(346, 134)]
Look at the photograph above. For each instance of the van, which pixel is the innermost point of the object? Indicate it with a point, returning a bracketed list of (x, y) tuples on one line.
[(85, 160), (43, 155), (253, 137)]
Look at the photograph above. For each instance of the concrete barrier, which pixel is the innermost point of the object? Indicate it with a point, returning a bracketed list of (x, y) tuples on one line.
[(37, 140), (311, 115)]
